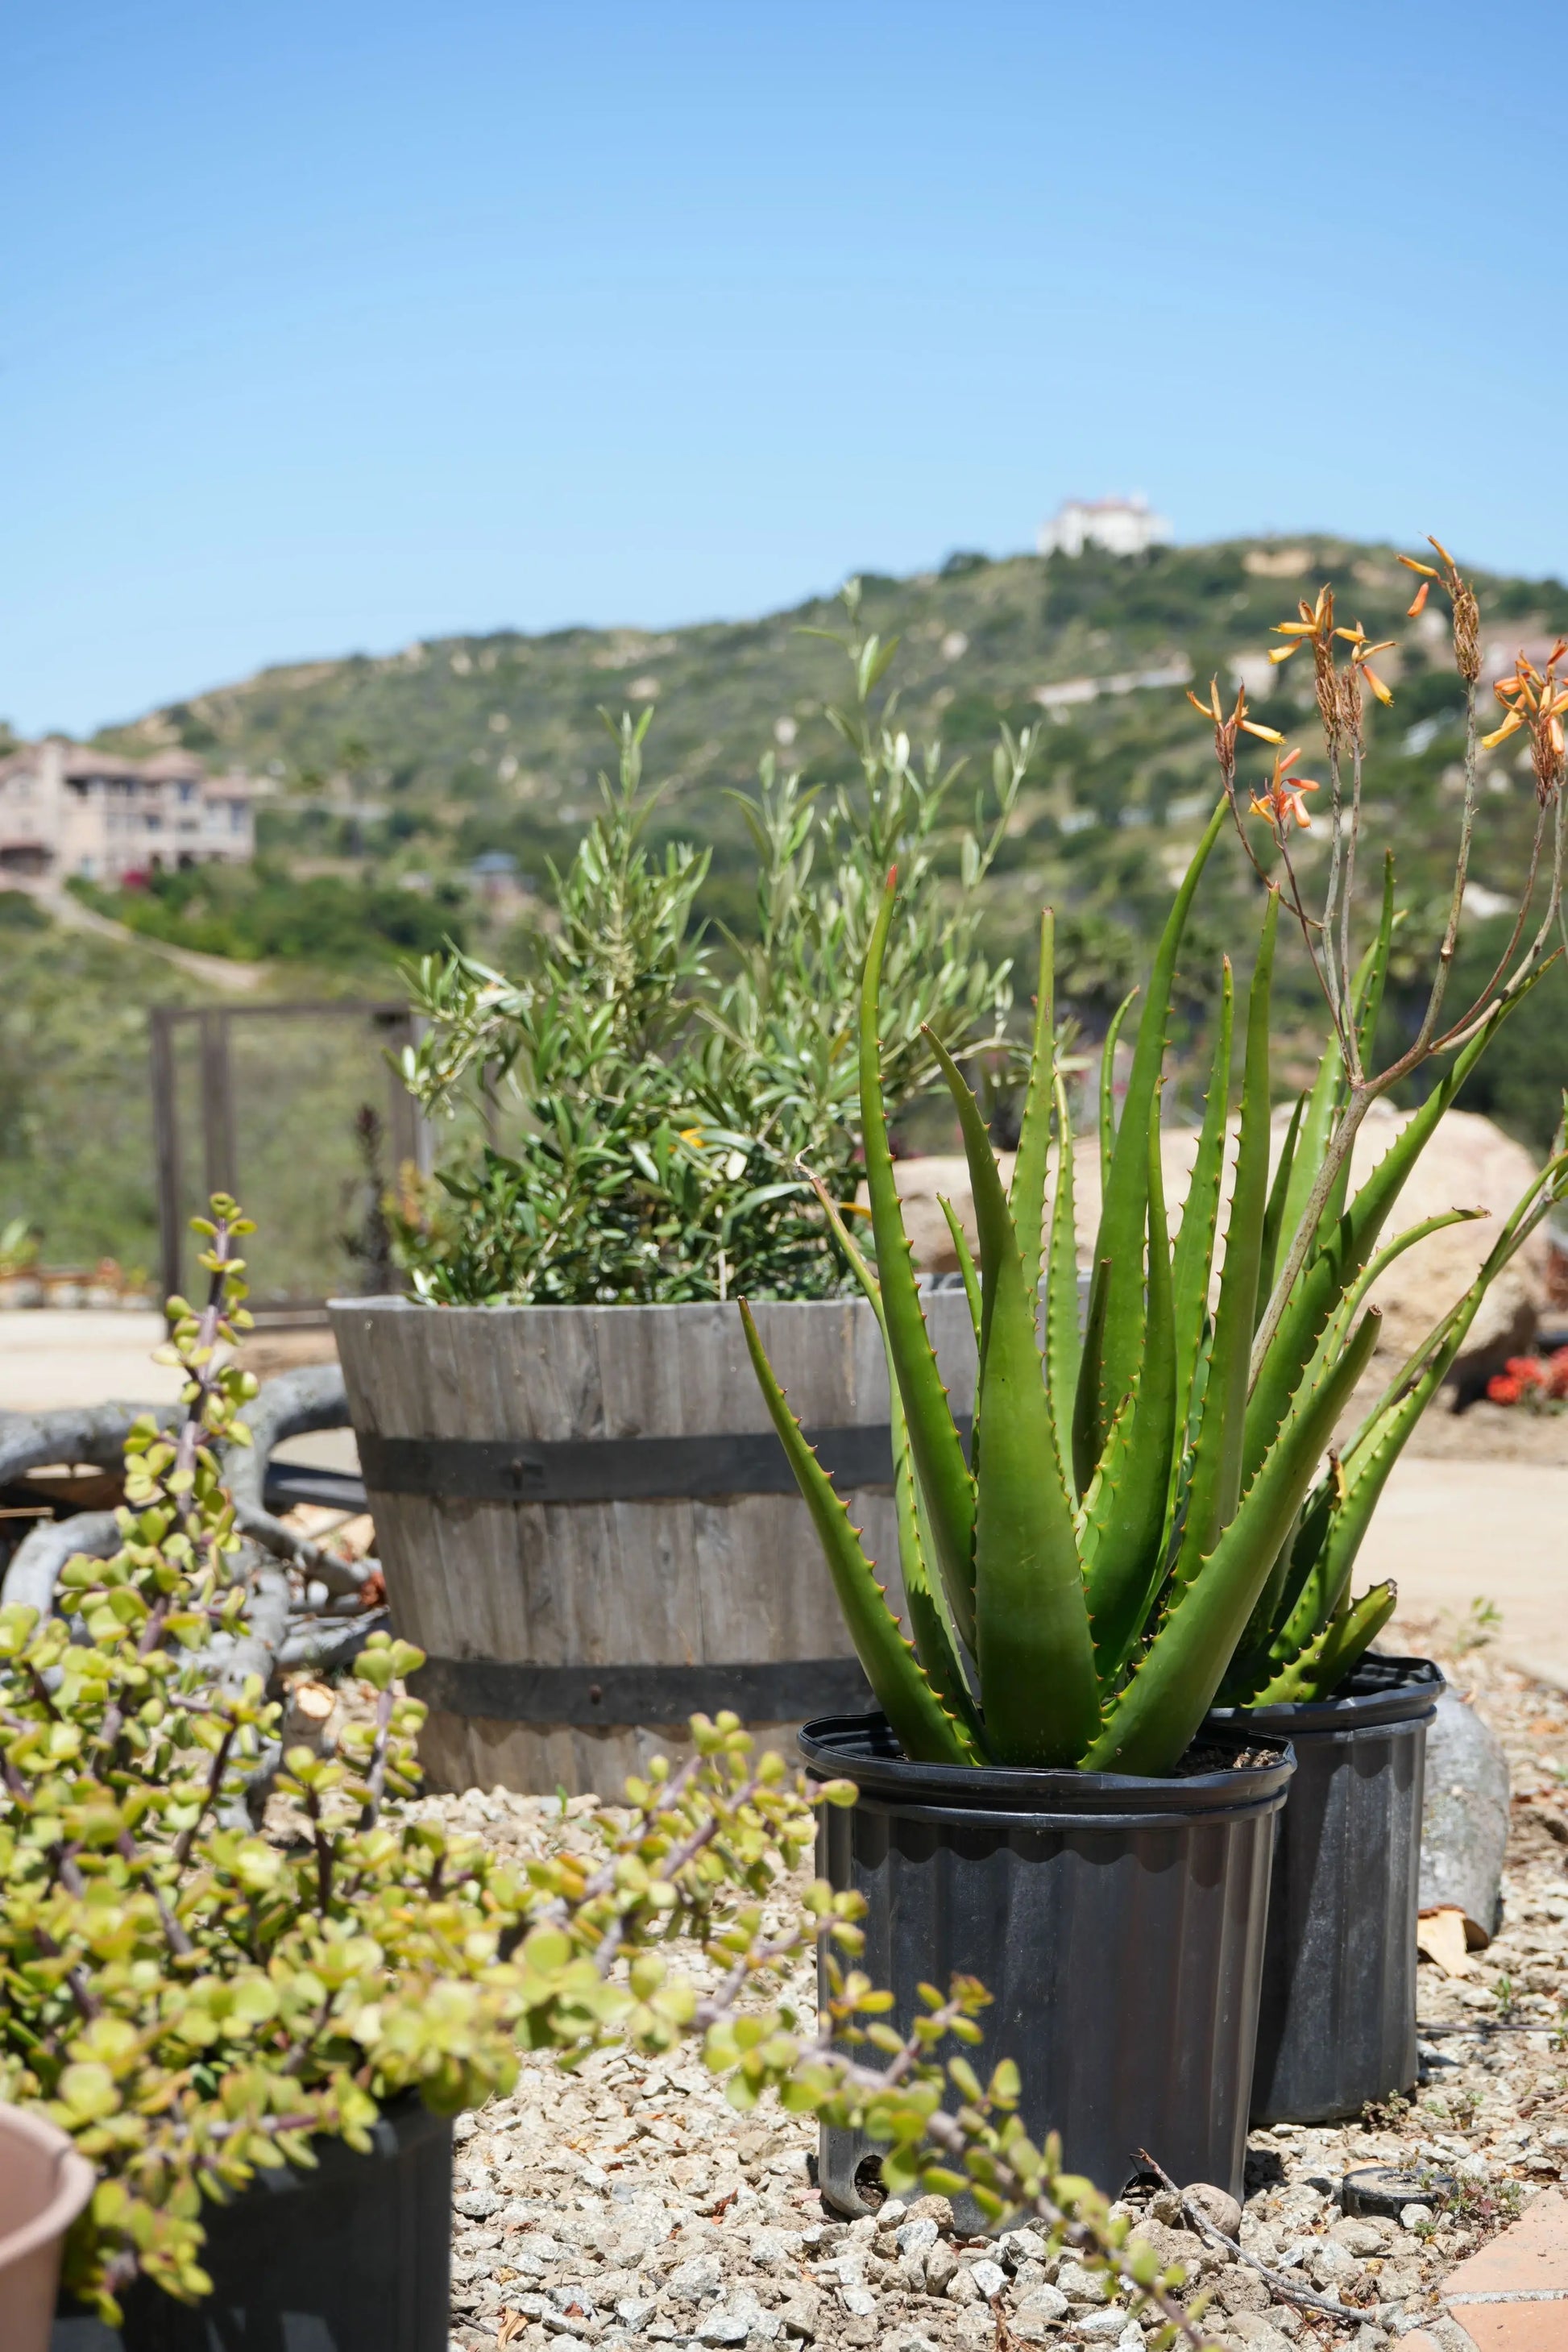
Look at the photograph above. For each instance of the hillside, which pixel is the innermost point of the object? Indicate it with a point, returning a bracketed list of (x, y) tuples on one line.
[(411, 766), (394, 773)]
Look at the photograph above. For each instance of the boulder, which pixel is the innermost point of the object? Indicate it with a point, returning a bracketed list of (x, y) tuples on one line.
[(1464, 1818)]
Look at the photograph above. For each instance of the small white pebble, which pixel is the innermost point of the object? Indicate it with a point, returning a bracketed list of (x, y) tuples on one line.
[(1415, 2217)]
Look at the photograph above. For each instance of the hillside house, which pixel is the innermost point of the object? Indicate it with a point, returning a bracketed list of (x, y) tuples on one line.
[(1119, 526), (67, 809)]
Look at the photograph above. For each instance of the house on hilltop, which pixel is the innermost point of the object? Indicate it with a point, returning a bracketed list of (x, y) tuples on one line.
[(67, 809), (1119, 526)]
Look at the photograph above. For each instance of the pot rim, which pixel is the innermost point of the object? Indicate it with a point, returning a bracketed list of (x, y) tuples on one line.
[(861, 1748), (386, 1302), (1393, 1690), (75, 2181)]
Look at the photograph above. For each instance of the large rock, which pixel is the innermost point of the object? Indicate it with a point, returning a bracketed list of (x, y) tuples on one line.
[(1464, 1818), (1468, 1164)]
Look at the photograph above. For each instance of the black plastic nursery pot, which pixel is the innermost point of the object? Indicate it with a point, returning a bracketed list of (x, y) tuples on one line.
[(1337, 2020), (352, 2256), (1118, 1923)]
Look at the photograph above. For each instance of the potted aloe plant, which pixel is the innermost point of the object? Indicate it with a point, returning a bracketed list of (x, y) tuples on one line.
[(1046, 1798), (583, 1514)]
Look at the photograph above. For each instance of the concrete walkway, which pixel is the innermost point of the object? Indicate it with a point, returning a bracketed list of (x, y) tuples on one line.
[(1451, 1532)]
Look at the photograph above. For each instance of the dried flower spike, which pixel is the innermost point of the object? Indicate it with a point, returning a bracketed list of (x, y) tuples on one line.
[(1462, 597), (1226, 731)]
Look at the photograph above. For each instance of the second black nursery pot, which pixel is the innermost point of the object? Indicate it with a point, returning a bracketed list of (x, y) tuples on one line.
[(1117, 1922), (1337, 2022), (353, 2254)]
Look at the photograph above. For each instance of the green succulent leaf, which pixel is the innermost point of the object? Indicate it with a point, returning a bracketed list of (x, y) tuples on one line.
[(1032, 1636), (1116, 1337), (1150, 1725), (921, 1724), (1064, 1341), (935, 1443), (1216, 1482), (1325, 1661), (1128, 1561), (1027, 1196)]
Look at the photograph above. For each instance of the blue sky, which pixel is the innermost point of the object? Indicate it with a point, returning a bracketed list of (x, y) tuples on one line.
[(326, 327)]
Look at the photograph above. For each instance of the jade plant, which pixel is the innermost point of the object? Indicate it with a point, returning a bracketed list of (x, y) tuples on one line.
[(1140, 1524), (196, 1997)]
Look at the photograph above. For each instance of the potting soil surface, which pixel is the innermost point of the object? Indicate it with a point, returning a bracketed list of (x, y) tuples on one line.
[(629, 2206)]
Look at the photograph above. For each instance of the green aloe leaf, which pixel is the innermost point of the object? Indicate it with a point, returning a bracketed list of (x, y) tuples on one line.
[(1108, 1086), (1149, 1727), (1340, 1510), (1216, 1482), (930, 1619), (1346, 1248), (1028, 1198), (921, 1724), (965, 1263), (1274, 1216), (1322, 1665), (935, 1443), (1032, 1637), (1117, 1336), (1127, 1566), (1193, 1270), (1064, 1341)]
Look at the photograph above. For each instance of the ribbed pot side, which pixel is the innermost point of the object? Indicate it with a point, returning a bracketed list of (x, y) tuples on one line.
[(1117, 1923), (1337, 2021), (352, 2256), (589, 1526)]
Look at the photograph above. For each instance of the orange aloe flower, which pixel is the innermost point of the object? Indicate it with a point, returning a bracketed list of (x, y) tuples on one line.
[(1226, 731), (1315, 627), (1280, 799), (1361, 657), (1535, 700)]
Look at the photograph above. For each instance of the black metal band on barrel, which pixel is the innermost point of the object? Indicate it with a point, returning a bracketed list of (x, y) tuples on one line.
[(620, 1469), (778, 1691)]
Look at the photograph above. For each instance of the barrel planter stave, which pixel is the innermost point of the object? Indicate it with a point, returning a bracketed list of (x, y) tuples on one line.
[(587, 1522), (1337, 2023), (1117, 1922)]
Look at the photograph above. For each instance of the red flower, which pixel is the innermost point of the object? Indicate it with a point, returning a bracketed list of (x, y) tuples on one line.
[(1503, 1390)]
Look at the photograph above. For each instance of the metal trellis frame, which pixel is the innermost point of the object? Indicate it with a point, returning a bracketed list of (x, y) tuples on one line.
[(278, 1134)]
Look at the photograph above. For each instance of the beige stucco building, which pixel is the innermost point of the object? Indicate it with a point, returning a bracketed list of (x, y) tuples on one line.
[(65, 809)]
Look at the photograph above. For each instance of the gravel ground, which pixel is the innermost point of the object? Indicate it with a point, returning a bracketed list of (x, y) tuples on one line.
[(628, 2205)]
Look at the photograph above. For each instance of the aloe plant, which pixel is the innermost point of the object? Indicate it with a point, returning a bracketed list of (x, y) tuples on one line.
[(1150, 1513)]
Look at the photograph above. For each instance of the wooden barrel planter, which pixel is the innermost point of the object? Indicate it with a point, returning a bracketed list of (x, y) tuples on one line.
[(588, 1523)]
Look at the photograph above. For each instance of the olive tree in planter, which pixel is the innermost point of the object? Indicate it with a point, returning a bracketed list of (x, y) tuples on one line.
[(1042, 1800), (582, 1512)]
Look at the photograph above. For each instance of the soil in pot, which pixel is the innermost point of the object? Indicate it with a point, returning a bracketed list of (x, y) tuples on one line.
[(1337, 2016), (1117, 1922), (353, 2256)]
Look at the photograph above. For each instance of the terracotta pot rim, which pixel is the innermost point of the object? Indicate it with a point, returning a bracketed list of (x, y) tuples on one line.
[(74, 2183)]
